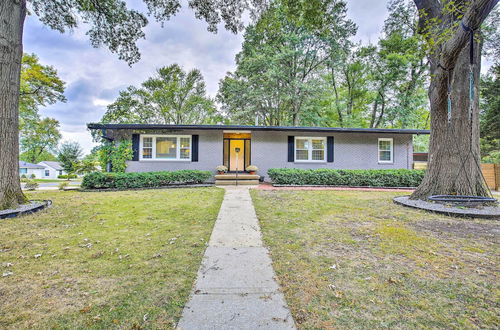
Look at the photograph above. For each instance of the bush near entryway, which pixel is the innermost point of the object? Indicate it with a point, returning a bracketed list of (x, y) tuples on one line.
[(358, 178), (99, 180)]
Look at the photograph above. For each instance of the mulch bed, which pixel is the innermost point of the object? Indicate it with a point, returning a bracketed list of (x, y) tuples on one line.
[(269, 186), (31, 207), (489, 212)]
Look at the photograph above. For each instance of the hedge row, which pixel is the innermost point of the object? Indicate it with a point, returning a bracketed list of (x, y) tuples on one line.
[(359, 178), (99, 180), (67, 176)]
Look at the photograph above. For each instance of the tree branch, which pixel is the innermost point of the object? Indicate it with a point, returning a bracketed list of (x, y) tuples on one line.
[(473, 18)]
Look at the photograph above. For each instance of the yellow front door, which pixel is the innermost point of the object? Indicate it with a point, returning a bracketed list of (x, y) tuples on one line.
[(236, 155)]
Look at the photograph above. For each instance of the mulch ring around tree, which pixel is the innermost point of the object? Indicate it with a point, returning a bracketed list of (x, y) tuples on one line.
[(28, 208), (486, 211)]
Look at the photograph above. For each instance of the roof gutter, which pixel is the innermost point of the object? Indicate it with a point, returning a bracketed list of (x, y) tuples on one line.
[(253, 128)]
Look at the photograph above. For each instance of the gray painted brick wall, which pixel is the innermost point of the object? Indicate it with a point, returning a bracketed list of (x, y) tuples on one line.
[(351, 150), (269, 150), (209, 155)]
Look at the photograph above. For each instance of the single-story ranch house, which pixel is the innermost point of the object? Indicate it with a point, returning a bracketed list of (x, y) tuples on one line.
[(203, 147), (42, 170)]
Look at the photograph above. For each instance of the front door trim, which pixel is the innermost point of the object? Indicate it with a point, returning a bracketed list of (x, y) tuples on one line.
[(244, 153)]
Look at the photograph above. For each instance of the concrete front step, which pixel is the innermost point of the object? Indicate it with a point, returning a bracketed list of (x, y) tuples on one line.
[(232, 176), (233, 182)]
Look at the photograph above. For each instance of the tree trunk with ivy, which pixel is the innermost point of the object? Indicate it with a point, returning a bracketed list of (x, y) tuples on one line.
[(12, 14), (454, 157)]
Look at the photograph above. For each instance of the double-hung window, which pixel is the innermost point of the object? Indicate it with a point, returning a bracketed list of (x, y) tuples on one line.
[(165, 147), (310, 149), (385, 150)]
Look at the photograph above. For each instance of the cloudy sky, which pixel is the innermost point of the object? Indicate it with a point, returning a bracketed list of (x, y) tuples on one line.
[(95, 76)]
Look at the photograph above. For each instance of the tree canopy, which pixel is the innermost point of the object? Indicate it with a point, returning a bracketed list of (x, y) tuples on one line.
[(40, 86), (172, 96), (293, 71)]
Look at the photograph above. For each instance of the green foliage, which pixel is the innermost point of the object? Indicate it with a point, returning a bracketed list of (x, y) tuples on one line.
[(492, 158), (278, 70), (116, 154), (99, 180), (421, 143), (33, 176), (490, 114), (69, 154), (297, 69), (39, 138), (171, 97), (330, 177), (40, 86), (88, 164), (31, 185), (63, 185), (67, 176), (45, 155)]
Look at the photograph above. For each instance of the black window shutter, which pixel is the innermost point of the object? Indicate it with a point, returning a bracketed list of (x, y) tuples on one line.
[(291, 147), (135, 146), (195, 142), (329, 149)]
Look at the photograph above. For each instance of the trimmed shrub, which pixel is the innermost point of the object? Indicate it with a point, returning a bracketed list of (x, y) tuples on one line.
[(31, 185), (33, 176), (67, 176), (360, 178), (99, 180)]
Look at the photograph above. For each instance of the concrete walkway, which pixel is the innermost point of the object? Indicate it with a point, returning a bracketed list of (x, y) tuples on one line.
[(235, 288)]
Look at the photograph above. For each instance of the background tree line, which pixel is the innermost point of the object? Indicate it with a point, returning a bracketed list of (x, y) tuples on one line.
[(286, 74)]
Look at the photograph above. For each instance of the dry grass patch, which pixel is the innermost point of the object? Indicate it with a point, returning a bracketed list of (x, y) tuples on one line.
[(107, 259), (352, 259)]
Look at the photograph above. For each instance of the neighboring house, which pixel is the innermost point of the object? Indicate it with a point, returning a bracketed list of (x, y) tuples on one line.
[(52, 169), (203, 147), (29, 169)]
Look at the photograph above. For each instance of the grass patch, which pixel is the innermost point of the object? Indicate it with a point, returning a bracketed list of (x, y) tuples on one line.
[(351, 259), (105, 259)]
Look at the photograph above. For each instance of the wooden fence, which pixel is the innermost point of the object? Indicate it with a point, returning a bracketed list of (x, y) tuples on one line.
[(491, 173)]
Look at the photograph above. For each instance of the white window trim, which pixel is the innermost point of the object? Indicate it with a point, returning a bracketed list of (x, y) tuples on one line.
[(391, 140), (177, 151), (309, 153)]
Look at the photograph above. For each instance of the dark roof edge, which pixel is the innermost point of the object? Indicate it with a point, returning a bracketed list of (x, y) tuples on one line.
[(258, 128)]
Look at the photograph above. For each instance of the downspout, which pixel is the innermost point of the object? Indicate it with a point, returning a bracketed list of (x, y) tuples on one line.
[(109, 167)]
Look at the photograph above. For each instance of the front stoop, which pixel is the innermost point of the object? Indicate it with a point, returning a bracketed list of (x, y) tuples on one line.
[(231, 179)]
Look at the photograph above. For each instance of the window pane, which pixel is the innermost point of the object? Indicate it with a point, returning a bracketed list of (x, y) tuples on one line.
[(385, 155), (301, 154), (318, 155), (318, 144), (23, 170), (185, 153), (147, 142), (185, 142), (384, 145), (302, 144), (166, 147), (147, 153)]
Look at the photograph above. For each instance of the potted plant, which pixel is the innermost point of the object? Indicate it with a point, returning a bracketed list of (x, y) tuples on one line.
[(221, 169), (252, 169)]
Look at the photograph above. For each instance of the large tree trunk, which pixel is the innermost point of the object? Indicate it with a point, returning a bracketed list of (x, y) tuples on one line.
[(454, 157), (12, 14)]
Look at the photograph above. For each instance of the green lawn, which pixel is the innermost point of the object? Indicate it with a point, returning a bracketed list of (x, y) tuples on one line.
[(349, 259), (105, 259)]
